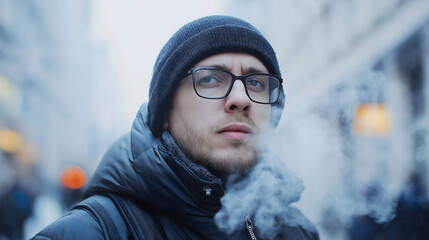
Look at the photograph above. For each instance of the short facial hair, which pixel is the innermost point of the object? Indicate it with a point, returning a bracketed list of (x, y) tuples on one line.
[(190, 143)]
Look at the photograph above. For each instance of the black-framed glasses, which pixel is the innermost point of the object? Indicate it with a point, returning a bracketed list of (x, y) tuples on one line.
[(216, 83)]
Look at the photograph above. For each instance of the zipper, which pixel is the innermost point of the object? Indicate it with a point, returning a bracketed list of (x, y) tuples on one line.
[(249, 226), (208, 191)]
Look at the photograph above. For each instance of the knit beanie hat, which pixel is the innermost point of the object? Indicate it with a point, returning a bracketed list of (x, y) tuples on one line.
[(194, 42)]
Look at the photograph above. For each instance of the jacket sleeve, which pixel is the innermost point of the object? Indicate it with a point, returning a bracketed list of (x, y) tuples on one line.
[(76, 224)]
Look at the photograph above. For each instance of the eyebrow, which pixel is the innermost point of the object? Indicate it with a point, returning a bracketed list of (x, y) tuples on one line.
[(254, 70), (245, 71)]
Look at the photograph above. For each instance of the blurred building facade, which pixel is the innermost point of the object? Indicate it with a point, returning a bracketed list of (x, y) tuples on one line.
[(347, 63), (52, 92)]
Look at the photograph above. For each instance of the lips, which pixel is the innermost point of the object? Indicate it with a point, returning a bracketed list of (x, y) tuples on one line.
[(236, 131)]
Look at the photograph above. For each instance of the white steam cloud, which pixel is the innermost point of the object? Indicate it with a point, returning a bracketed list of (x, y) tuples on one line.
[(264, 195), (345, 174)]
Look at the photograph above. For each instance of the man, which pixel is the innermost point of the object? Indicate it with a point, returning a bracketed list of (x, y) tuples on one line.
[(215, 96)]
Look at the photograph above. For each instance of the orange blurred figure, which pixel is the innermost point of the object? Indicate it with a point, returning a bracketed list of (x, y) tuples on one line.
[(73, 177)]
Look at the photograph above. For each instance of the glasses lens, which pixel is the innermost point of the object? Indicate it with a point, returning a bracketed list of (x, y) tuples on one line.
[(263, 88), (211, 83)]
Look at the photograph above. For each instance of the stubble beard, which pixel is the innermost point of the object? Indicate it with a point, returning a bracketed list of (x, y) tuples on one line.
[(196, 147)]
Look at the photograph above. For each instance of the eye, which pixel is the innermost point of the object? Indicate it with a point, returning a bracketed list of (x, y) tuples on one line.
[(209, 80), (255, 83)]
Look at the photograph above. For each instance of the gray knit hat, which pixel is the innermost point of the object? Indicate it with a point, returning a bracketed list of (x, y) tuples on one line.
[(194, 42)]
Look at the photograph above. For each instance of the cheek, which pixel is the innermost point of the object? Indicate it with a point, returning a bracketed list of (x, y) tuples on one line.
[(262, 114), (191, 111), (202, 114)]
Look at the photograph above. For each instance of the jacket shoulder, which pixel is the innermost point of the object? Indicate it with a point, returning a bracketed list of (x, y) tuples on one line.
[(76, 224)]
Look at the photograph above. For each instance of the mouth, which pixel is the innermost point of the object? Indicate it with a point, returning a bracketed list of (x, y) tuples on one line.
[(236, 131)]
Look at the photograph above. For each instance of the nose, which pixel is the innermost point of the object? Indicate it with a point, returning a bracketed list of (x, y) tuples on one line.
[(237, 100)]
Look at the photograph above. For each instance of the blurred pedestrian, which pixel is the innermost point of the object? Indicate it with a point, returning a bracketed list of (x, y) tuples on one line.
[(16, 206), (368, 226), (412, 213), (215, 97)]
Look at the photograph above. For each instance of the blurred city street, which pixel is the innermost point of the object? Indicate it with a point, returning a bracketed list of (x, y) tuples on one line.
[(355, 128)]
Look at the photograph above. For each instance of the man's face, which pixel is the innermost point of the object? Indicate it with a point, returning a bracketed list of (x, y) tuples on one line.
[(225, 135)]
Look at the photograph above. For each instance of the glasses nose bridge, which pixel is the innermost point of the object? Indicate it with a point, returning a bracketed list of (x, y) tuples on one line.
[(241, 78)]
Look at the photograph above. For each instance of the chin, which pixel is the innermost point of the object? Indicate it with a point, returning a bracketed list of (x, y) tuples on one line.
[(233, 161)]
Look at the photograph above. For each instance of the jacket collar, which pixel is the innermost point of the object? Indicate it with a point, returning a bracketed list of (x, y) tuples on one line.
[(141, 167)]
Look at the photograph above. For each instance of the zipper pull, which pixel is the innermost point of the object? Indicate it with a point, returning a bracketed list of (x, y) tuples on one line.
[(208, 191), (249, 226)]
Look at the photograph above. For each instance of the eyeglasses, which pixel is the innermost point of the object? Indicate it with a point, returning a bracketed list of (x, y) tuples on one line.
[(216, 83)]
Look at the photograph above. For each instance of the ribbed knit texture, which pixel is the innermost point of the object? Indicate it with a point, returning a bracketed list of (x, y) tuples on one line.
[(194, 42)]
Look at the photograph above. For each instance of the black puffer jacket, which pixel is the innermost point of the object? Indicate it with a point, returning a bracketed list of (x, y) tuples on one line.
[(138, 166)]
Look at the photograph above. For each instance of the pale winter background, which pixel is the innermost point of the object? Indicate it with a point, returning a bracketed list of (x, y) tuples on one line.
[(355, 127)]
